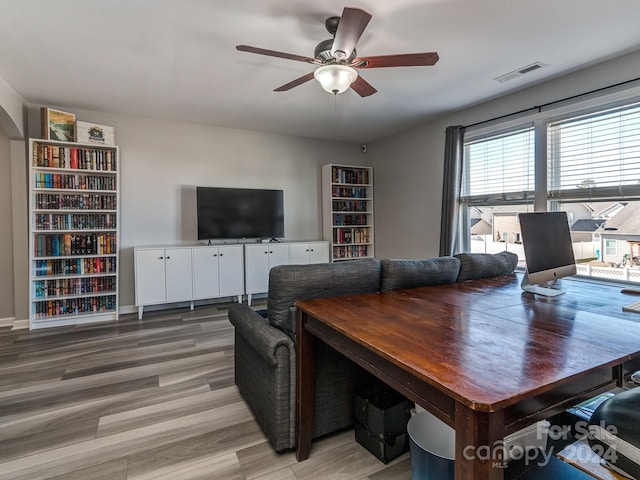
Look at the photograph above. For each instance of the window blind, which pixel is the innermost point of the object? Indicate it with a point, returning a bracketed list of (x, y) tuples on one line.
[(595, 156), (499, 169)]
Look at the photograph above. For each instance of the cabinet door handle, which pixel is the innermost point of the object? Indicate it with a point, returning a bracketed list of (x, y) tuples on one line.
[(168, 257), (312, 250), (160, 258), (221, 254), (215, 254)]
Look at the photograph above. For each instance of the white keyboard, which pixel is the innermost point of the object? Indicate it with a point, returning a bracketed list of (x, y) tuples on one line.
[(632, 307)]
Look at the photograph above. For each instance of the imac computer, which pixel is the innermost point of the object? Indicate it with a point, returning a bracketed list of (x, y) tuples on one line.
[(548, 251)]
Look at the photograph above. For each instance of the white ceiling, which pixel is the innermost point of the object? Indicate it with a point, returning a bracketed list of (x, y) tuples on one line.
[(177, 59)]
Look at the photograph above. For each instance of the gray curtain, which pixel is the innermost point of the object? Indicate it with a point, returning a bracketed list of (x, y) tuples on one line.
[(452, 182)]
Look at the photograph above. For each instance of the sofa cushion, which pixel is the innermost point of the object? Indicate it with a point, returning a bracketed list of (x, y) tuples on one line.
[(399, 273), (485, 265), (289, 283)]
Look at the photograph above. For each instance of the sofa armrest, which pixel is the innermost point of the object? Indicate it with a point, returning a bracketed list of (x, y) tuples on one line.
[(264, 362), (258, 332)]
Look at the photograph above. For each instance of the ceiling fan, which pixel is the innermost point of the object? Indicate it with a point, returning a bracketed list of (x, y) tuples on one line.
[(337, 58)]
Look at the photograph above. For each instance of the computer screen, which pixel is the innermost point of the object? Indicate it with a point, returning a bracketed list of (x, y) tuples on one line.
[(548, 250)]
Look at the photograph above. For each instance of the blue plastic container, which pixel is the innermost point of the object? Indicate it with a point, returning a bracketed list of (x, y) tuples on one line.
[(432, 444)]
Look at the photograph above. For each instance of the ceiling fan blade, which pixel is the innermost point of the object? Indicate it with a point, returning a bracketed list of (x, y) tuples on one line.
[(362, 87), (273, 53), (400, 60), (350, 27), (295, 83)]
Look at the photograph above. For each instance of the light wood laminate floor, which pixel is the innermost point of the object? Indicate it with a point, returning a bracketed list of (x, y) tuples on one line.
[(152, 399)]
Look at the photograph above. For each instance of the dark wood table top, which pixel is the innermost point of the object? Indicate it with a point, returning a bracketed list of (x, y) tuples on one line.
[(486, 343)]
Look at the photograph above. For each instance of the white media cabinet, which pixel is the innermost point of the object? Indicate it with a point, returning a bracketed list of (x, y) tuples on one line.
[(186, 273), (259, 258)]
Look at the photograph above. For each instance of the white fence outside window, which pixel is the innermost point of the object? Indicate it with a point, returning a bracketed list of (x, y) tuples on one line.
[(582, 250)]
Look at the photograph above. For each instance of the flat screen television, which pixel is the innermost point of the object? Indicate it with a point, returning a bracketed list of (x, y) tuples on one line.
[(235, 213), (548, 251)]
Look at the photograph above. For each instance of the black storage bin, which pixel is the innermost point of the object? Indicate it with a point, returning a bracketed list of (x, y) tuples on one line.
[(381, 416), (385, 449)]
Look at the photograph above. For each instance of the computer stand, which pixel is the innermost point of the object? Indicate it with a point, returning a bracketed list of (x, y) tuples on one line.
[(539, 289)]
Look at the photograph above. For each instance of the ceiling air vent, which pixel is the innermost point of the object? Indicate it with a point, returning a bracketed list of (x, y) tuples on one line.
[(521, 71)]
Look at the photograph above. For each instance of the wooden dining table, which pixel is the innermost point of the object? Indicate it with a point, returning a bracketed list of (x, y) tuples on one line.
[(483, 356)]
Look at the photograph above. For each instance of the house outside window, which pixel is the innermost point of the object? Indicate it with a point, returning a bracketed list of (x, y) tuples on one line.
[(584, 160)]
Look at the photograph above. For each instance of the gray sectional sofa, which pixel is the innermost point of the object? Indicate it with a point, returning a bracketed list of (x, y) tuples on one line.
[(265, 357)]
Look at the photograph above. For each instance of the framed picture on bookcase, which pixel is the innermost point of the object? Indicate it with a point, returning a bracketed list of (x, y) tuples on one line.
[(57, 125)]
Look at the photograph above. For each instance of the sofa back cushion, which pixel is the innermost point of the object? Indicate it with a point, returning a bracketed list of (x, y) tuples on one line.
[(289, 283), (396, 274), (485, 265)]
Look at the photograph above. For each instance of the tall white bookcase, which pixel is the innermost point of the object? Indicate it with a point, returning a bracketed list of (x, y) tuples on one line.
[(347, 211), (73, 233)]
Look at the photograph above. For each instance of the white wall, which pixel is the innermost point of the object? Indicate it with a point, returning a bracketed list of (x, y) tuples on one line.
[(408, 167), (18, 154), (162, 162), (407, 189), (11, 111), (11, 130), (6, 235)]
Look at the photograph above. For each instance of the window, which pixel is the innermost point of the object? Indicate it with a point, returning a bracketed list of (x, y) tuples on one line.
[(497, 184), (499, 169), (595, 156), (587, 164)]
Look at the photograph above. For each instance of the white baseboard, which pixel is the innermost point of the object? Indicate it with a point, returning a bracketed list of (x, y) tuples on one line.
[(14, 324), (127, 309), (7, 322), (21, 324)]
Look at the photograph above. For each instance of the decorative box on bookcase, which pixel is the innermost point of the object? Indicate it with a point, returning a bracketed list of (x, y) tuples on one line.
[(347, 211), (73, 233)]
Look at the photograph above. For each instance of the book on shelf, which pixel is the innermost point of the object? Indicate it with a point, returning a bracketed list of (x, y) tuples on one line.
[(73, 286), (56, 245), (349, 206), (75, 201), (45, 180), (341, 252), (75, 266), (350, 175), (76, 158), (349, 192), (74, 221), (74, 306)]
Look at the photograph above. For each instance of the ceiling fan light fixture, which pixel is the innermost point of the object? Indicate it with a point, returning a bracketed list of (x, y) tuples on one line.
[(335, 78)]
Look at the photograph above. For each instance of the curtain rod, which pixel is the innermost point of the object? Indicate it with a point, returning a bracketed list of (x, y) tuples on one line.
[(540, 107)]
